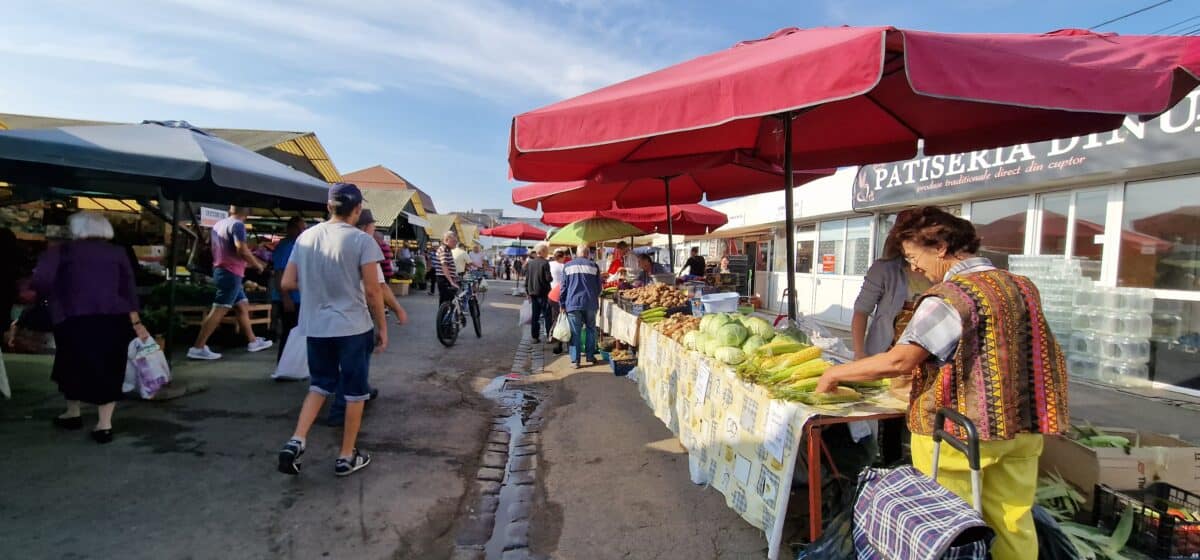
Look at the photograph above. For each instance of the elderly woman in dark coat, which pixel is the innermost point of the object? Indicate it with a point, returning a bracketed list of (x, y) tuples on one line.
[(90, 286)]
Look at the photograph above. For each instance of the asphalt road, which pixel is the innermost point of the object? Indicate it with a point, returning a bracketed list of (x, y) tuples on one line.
[(195, 477)]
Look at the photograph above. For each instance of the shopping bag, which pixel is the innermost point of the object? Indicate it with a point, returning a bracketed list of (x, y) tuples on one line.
[(4, 389), (526, 313), (146, 370), (562, 328), (293, 364), (555, 293)]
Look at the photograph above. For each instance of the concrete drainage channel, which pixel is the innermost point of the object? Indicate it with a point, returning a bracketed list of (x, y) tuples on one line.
[(497, 527)]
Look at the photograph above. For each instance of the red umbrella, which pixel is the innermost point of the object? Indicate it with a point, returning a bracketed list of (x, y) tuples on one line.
[(685, 219), (515, 230), (858, 96), (688, 179)]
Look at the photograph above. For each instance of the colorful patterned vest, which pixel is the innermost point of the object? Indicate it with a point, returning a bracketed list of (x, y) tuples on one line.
[(1008, 374)]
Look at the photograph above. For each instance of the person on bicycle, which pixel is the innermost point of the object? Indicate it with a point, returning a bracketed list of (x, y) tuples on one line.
[(447, 271)]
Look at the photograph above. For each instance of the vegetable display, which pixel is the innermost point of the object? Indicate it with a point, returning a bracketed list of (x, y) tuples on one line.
[(656, 295)]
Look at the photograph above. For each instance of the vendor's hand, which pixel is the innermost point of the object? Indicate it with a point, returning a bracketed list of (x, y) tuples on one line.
[(141, 332), (827, 383)]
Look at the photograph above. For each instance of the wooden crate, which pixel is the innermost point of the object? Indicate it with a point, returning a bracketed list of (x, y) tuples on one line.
[(193, 315)]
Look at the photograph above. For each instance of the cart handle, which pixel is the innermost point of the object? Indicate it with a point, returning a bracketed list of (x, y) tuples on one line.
[(970, 448)]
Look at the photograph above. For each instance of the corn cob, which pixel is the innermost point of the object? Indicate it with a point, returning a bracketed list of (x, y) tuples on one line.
[(839, 395), (795, 359), (777, 348), (808, 370)]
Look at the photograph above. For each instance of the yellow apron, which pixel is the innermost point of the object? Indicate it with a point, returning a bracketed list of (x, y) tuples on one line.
[(1010, 474)]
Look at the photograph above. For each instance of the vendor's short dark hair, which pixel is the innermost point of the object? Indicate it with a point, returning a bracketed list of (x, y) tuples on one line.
[(930, 226), (645, 257), (695, 249)]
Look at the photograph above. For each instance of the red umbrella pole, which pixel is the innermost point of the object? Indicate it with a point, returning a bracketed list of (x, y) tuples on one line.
[(788, 217), (670, 226)]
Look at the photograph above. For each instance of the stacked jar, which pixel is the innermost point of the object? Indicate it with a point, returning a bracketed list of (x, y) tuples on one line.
[(1057, 280), (1111, 342)]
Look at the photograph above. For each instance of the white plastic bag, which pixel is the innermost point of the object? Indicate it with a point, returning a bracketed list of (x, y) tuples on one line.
[(4, 389), (146, 369), (526, 313), (293, 364), (562, 328)]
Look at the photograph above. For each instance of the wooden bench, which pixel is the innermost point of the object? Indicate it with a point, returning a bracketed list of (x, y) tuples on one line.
[(193, 315)]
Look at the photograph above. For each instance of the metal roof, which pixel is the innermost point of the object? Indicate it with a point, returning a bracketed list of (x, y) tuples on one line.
[(386, 204), (379, 176)]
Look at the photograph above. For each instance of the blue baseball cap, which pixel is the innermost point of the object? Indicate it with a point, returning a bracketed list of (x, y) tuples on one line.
[(346, 194)]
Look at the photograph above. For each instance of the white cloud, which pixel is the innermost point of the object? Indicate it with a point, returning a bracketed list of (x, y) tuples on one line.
[(90, 48), (356, 86), (215, 99), (484, 48)]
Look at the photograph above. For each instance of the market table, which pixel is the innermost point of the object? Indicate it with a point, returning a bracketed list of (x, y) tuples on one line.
[(618, 323), (741, 441)]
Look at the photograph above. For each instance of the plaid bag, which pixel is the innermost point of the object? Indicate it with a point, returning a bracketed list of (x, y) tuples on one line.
[(902, 514)]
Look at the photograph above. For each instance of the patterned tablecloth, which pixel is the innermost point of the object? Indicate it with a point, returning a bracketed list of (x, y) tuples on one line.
[(740, 441)]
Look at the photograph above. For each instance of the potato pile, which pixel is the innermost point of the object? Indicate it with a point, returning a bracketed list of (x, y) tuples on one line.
[(656, 295), (675, 326), (621, 355)]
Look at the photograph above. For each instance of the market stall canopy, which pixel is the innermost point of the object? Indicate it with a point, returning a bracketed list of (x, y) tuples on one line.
[(870, 92), (468, 234), (713, 176), (143, 158), (515, 251), (416, 220), (380, 177), (439, 224), (592, 230), (387, 204), (686, 219), (516, 230)]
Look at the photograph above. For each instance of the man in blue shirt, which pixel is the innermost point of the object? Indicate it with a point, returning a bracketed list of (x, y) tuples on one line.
[(287, 308), (581, 299)]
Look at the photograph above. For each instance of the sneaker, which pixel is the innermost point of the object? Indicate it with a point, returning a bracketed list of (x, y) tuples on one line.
[(348, 466), (259, 345), (374, 394), (289, 456), (202, 354)]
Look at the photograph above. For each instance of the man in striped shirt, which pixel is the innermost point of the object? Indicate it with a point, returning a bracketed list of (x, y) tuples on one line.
[(447, 272)]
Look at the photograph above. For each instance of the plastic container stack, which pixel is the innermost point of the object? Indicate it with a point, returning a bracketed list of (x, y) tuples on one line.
[(1105, 331)]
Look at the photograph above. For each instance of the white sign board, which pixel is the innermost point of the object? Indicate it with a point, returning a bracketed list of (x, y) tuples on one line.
[(210, 216)]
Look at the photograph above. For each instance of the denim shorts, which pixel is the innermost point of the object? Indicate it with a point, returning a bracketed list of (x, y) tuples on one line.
[(229, 288), (344, 358)]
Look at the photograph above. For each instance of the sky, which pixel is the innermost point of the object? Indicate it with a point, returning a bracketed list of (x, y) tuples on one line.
[(427, 88)]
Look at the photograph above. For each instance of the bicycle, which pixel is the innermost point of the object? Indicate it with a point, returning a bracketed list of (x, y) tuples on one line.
[(451, 318)]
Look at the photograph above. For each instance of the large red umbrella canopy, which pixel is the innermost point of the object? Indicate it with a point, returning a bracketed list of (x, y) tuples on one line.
[(515, 230), (859, 95), (686, 219), (715, 176)]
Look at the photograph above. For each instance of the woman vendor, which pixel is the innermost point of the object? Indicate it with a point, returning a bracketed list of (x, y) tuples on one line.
[(978, 343)]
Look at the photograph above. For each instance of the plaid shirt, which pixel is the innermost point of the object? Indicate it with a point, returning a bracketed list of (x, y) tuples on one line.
[(935, 325)]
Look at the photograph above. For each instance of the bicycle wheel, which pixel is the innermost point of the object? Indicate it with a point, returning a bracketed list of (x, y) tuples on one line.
[(474, 308), (447, 325)]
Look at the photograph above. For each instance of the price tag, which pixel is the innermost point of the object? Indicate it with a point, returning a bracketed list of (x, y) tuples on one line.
[(779, 415), (702, 375)]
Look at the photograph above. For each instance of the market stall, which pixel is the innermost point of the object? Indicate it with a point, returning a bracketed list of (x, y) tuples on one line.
[(743, 437), (166, 168)]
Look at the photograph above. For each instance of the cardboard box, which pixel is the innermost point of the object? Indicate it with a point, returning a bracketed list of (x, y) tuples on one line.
[(1158, 458)]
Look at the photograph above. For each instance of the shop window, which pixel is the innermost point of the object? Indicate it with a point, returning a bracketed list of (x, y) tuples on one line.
[(831, 247), (1091, 210), (804, 256), (1055, 210), (887, 221), (858, 246), (1176, 343), (1160, 235), (1001, 225)]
